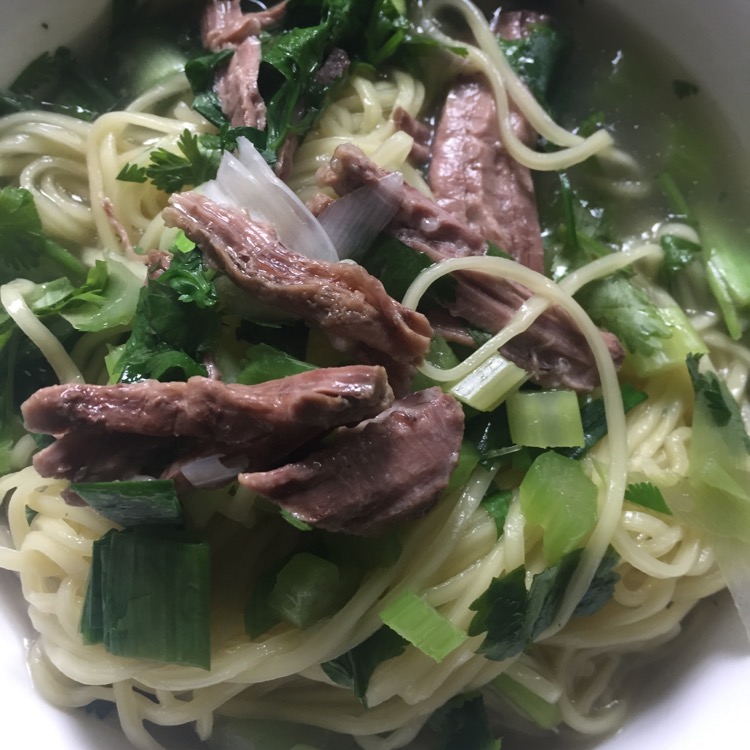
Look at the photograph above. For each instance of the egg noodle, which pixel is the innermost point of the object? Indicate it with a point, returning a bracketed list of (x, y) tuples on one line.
[(449, 557)]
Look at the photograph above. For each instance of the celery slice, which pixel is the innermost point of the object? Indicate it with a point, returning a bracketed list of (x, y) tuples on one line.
[(545, 419), (559, 497), (309, 588), (422, 625), (489, 384)]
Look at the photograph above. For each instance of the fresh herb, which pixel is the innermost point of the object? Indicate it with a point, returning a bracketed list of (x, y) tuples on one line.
[(462, 724), (513, 617), (537, 56), (354, 668), (714, 398), (679, 253), (594, 419), (648, 496), (268, 363), (497, 505), (176, 324)]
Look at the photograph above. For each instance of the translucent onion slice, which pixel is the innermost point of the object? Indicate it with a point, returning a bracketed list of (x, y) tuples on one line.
[(211, 471), (355, 220), (245, 181)]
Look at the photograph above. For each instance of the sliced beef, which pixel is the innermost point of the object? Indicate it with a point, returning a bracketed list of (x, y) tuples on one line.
[(226, 25), (153, 428), (552, 350), (342, 299), (473, 176), (211, 410), (387, 469)]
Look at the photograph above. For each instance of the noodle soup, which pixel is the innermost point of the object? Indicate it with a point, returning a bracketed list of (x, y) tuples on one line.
[(287, 671)]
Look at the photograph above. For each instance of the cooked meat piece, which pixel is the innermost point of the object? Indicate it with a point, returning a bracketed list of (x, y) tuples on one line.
[(153, 428), (335, 66), (211, 410), (92, 455), (225, 24), (420, 151), (473, 176), (387, 469), (237, 87), (552, 350), (342, 299)]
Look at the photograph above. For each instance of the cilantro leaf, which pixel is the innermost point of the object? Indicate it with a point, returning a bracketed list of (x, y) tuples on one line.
[(132, 173), (175, 325), (713, 394), (513, 617), (354, 668), (194, 165), (464, 725), (648, 496)]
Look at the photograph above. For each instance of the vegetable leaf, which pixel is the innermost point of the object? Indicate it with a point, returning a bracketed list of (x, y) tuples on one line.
[(648, 496), (354, 668), (513, 617), (464, 725)]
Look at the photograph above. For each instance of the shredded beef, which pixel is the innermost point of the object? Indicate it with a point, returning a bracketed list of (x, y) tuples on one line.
[(387, 469), (552, 350), (225, 24), (237, 87), (420, 151), (473, 176), (342, 299)]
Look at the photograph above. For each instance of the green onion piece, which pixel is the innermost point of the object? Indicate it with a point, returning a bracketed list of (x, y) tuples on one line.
[(307, 589), (133, 503), (559, 497), (149, 597), (545, 419), (544, 714), (489, 384), (422, 625), (259, 616)]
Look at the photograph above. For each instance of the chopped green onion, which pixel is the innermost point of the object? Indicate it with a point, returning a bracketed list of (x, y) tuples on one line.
[(133, 503), (148, 597), (422, 625), (545, 419), (489, 384), (556, 495)]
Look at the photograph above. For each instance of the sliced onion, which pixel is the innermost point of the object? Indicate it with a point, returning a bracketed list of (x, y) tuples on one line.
[(211, 471), (355, 220), (245, 181)]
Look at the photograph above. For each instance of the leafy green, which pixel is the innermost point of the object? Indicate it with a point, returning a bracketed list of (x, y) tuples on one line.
[(648, 496), (513, 617), (24, 248), (268, 363), (497, 504), (537, 56), (354, 668), (462, 724), (176, 324), (684, 89), (594, 419), (679, 253)]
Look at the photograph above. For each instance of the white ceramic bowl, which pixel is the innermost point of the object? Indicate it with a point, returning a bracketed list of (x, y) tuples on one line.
[(695, 699)]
